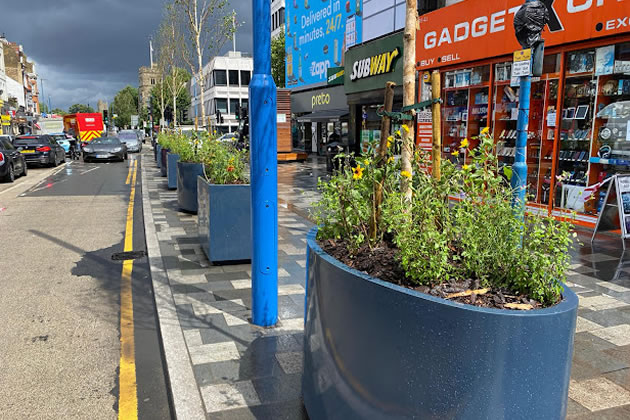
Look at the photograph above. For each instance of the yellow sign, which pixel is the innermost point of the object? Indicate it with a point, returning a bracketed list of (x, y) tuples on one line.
[(6, 119), (523, 55)]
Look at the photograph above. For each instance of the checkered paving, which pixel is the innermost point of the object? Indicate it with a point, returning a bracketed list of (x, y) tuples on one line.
[(244, 372)]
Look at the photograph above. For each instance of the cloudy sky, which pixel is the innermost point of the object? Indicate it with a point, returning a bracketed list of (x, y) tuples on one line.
[(86, 50)]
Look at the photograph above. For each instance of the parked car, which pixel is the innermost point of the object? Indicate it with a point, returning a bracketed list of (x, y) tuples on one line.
[(229, 137), (105, 148), (12, 162), (41, 150), (131, 139), (141, 135)]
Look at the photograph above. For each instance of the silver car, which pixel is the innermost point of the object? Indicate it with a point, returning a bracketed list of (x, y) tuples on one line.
[(131, 139), (105, 148)]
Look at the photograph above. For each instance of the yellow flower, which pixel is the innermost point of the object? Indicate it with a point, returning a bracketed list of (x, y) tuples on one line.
[(455, 153), (390, 140), (398, 133), (466, 167), (485, 130), (366, 162), (391, 159), (405, 128), (358, 172), (464, 144), (406, 174)]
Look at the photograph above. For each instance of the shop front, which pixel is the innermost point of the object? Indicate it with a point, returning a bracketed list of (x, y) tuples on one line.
[(579, 123), (368, 68), (320, 116)]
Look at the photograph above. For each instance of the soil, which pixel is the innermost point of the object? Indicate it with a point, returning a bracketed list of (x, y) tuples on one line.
[(383, 262)]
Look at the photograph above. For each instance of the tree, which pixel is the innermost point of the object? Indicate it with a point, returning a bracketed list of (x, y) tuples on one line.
[(43, 107), (409, 92), (124, 106), (278, 54), (160, 106), (209, 27), (80, 109), (158, 100), (58, 111)]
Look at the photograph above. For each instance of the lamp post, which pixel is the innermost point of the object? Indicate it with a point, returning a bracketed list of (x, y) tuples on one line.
[(264, 173)]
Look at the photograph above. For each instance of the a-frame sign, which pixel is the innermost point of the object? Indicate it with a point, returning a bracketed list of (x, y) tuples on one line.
[(616, 204)]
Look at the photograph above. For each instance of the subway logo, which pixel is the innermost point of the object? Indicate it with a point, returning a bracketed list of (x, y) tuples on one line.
[(373, 66)]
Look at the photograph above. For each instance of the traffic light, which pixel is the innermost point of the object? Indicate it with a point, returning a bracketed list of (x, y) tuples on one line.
[(105, 116)]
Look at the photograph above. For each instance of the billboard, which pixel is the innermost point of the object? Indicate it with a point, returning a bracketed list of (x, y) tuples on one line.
[(473, 30), (318, 33)]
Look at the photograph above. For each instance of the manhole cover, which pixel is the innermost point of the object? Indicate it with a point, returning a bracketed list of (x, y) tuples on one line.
[(132, 255)]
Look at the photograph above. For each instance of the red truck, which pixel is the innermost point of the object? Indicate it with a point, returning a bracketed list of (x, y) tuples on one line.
[(84, 127)]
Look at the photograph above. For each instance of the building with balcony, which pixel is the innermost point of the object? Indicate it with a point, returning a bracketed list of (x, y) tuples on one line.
[(226, 90)]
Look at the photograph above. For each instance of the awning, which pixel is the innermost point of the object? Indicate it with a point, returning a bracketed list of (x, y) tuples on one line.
[(333, 115)]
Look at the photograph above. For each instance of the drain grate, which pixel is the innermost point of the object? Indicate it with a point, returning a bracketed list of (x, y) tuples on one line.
[(132, 255)]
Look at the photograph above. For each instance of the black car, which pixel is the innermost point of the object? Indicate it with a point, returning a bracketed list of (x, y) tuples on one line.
[(12, 163), (43, 150), (105, 148)]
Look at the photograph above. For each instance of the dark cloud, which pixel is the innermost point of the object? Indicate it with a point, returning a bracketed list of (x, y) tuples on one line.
[(89, 49)]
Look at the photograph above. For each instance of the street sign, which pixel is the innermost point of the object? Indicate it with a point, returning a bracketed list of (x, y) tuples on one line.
[(134, 120), (522, 65)]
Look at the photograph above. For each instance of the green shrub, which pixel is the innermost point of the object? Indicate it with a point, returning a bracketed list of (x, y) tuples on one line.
[(224, 164)]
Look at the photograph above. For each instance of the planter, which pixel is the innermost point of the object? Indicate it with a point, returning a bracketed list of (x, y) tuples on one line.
[(379, 351), (171, 170), (163, 162), (158, 152), (224, 221), (187, 174)]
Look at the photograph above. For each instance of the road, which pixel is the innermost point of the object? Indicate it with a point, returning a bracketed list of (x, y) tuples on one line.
[(67, 307)]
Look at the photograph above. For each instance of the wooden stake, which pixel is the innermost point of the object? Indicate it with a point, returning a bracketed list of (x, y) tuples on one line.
[(386, 123), (436, 87), (409, 91)]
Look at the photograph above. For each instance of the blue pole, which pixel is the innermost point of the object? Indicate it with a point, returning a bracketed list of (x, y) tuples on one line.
[(264, 172), (519, 170)]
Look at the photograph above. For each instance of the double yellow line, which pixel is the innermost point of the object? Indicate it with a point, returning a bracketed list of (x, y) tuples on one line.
[(128, 395)]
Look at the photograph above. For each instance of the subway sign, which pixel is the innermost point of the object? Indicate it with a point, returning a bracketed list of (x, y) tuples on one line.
[(373, 66), (474, 30)]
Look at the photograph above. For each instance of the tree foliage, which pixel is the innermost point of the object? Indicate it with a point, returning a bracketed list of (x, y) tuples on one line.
[(58, 111), (278, 61), (80, 109), (124, 106)]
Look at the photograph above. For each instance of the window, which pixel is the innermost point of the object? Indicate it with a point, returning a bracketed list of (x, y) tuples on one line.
[(281, 16), (245, 77), (245, 103), (220, 78), (153, 81), (233, 77), (221, 105), (234, 106)]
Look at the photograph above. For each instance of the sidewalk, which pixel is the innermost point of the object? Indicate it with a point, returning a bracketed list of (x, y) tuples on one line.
[(222, 367)]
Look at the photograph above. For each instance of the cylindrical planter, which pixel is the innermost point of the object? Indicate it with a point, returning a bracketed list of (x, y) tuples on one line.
[(187, 174), (374, 350), (163, 153), (171, 170), (224, 220), (158, 153)]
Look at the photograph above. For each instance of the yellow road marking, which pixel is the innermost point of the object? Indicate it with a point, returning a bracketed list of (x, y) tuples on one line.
[(131, 168), (128, 397)]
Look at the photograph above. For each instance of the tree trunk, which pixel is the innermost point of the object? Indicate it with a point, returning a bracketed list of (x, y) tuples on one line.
[(201, 81), (163, 105), (386, 123), (437, 125), (174, 109), (409, 92)]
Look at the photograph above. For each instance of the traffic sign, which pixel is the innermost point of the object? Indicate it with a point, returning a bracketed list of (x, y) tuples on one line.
[(522, 65)]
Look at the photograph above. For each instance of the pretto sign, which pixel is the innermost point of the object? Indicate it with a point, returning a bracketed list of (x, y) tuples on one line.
[(473, 30)]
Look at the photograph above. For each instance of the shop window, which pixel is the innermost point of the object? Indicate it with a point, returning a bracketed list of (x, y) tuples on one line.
[(551, 64)]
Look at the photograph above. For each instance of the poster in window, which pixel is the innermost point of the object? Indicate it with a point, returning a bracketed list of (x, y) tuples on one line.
[(605, 60)]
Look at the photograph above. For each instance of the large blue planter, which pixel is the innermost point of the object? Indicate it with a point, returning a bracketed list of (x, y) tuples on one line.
[(224, 220), (374, 350), (171, 170), (158, 153), (187, 174), (163, 162)]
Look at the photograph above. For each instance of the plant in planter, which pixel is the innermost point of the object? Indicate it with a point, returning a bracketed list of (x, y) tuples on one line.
[(192, 151), (224, 201), (165, 142), (460, 302)]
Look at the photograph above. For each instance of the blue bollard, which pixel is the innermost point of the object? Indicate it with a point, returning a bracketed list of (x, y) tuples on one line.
[(264, 173)]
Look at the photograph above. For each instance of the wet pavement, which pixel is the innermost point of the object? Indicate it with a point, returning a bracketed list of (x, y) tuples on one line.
[(243, 372)]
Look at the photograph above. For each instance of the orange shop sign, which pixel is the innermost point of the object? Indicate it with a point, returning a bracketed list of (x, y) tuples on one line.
[(474, 30)]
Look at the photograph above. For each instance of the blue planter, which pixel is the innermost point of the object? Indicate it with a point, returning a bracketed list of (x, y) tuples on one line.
[(224, 221), (374, 350), (158, 153), (187, 174), (171, 170), (163, 162)]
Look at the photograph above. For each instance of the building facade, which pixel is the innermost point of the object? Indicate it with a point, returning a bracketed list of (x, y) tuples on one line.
[(277, 17), (148, 77), (226, 90)]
